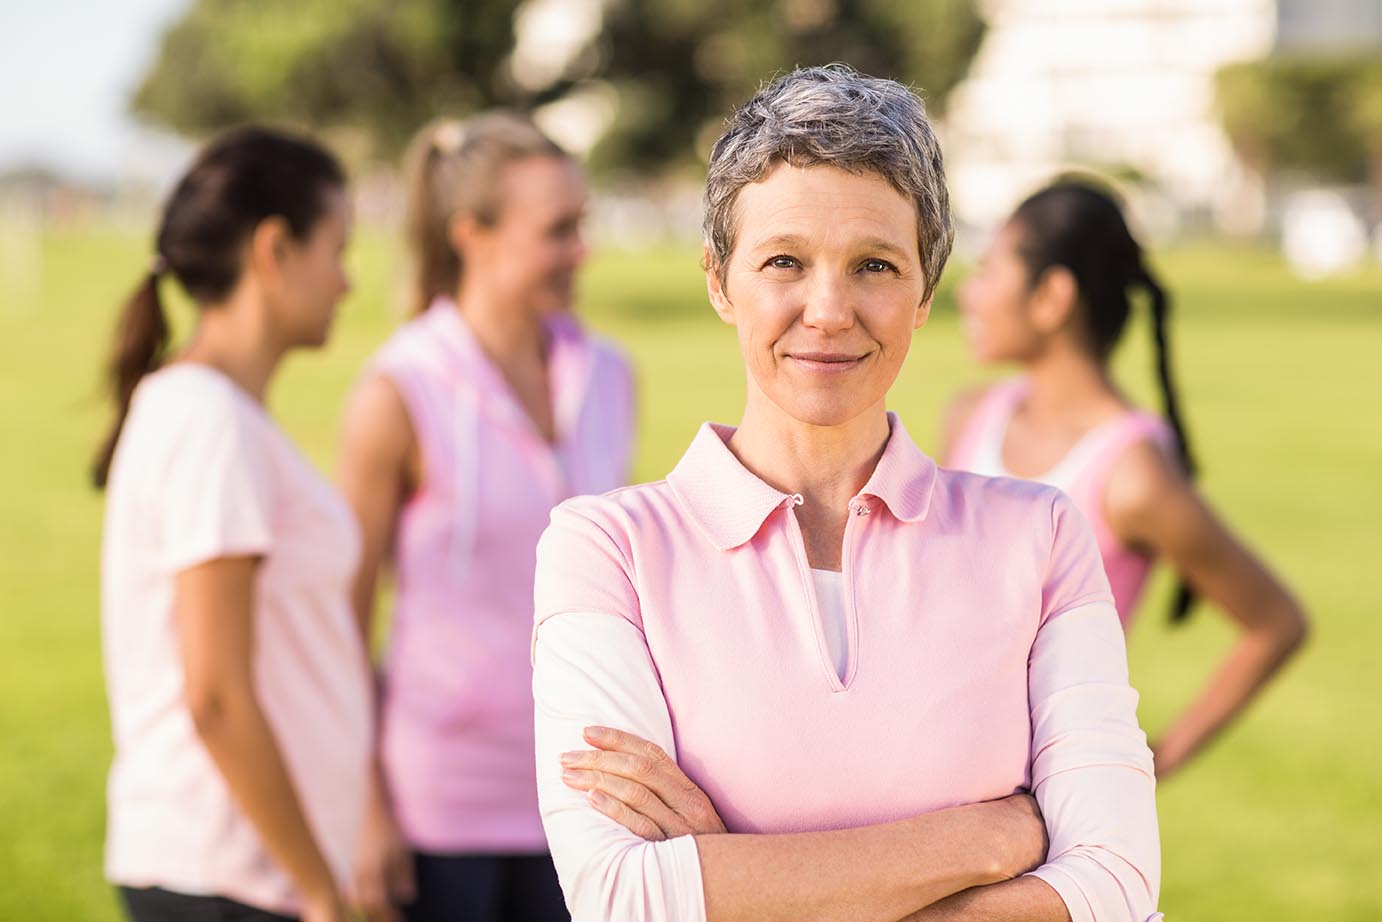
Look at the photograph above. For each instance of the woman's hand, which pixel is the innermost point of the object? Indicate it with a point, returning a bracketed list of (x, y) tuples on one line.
[(383, 865), (329, 907), (634, 783), (1021, 834)]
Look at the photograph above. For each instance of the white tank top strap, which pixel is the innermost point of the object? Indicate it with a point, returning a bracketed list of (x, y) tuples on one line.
[(980, 447)]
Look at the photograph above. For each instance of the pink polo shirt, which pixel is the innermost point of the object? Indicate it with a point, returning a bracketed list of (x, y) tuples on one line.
[(457, 710), (982, 656), (202, 472)]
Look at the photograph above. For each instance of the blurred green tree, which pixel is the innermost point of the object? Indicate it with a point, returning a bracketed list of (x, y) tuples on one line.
[(371, 71), (1365, 111), (1319, 114), (680, 66), (365, 70)]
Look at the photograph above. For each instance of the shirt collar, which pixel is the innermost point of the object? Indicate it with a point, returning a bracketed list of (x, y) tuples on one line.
[(730, 504)]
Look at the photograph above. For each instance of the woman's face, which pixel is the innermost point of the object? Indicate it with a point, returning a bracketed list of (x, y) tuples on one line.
[(995, 301), (530, 255), (825, 289), (313, 274)]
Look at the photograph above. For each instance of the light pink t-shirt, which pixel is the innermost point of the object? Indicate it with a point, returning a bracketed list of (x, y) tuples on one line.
[(982, 656), (1083, 474), (457, 709), (202, 472)]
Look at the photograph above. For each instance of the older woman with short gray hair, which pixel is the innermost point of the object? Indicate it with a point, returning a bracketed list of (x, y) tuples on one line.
[(810, 675)]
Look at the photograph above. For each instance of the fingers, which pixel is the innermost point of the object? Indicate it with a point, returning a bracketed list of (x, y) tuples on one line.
[(402, 885), (634, 795), (381, 913), (626, 816), (632, 757), (369, 889), (633, 767), (610, 739), (383, 882), (620, 753)]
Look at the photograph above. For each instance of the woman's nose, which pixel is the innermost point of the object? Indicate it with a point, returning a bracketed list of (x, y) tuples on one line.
[(828, 305)]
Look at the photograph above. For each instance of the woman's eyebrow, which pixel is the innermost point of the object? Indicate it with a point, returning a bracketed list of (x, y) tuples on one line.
[(780, 241), (879, 245), (885, 247)]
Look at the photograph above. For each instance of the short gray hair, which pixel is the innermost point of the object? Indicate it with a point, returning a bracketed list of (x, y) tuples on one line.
[(832, 116)]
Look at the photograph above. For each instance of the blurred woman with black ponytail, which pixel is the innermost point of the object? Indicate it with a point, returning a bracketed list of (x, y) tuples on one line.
[(1054, 293), (238, 687)]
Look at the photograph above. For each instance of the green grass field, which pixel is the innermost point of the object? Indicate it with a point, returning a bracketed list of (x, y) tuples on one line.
[(1283, 384)]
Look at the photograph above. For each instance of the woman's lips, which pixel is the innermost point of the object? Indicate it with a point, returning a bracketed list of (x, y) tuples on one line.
[(826, 363)]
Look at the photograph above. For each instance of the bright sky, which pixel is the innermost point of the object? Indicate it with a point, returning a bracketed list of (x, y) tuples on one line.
[(67, 70)]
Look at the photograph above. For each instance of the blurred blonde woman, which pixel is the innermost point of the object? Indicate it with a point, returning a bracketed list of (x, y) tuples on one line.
[(485, 410)]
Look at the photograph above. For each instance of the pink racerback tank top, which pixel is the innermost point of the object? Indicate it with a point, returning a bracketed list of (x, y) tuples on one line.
[(1082, 474)]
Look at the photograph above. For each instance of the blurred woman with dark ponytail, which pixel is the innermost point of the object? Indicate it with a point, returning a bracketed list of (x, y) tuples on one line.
[(1053, 293), (488, 408), (237, 682)]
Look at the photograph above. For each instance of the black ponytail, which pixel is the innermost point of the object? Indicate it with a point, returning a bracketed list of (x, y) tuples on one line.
[(1170, 405), (1078, 225)]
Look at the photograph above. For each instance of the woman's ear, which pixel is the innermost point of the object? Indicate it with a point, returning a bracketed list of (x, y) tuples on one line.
[(462, 232), (268, 249), (1053, 300), (924, 312), (716, 288)]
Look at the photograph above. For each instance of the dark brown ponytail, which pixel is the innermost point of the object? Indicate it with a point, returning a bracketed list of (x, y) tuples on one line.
[(239, 180), (141, 336), (1079, 226)]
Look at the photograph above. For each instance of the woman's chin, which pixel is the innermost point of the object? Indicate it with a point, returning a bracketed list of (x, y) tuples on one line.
[(824, 412)]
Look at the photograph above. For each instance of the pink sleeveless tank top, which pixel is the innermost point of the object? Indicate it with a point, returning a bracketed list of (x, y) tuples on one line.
[(457, 715), (1082, 474)]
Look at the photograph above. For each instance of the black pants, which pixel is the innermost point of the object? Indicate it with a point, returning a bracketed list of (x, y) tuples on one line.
[(151, 904), (486, 888)]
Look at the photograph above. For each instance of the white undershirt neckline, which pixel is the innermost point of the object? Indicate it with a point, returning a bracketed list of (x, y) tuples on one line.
[(830, 601)]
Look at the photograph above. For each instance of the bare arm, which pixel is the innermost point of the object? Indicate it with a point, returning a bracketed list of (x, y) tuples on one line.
[(215, 621), (1151, 504), (871, 872), (1026, 899), (379, 467)]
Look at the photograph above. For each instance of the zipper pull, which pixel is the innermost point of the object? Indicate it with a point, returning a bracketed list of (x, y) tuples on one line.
[(797, 499)]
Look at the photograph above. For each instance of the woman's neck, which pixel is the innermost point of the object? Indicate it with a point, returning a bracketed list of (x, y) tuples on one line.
[(236, 341), (1067, 383), (515, 339), (827, 465), (510, 334)]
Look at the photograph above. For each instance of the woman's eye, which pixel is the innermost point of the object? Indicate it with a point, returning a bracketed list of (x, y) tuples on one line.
[(877, 265), (782, 262)]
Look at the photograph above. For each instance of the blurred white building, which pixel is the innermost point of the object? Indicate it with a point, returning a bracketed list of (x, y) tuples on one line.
[(1126, 87)]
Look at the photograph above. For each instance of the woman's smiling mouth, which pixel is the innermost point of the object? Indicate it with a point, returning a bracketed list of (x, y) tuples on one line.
[(827, 363)]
